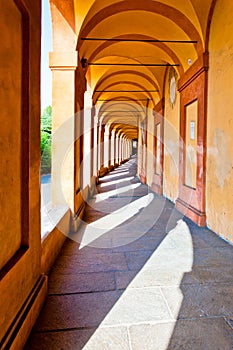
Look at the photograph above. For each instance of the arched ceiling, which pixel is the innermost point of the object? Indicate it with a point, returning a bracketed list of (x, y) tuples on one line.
[(128, 46)]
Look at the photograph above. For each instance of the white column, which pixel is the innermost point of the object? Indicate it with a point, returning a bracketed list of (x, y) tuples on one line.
[(123, 148), (87, 137), (117, 149), (106, 146), (129, 151), (131, 147), (95, 147), (112, 148), (125, 154)]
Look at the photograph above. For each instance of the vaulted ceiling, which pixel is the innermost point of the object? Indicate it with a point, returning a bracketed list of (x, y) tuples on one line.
[(128, 47)]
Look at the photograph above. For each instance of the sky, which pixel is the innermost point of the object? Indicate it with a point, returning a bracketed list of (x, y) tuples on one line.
[(46, 47)]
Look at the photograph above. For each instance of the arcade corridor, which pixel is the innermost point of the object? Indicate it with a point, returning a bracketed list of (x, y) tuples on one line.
[(131, 245), (130, 280)]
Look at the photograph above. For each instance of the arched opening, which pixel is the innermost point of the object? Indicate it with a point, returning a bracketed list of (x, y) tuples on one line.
[(46, 117)]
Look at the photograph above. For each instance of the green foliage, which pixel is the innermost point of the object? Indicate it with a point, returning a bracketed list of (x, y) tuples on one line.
[(45, 140)]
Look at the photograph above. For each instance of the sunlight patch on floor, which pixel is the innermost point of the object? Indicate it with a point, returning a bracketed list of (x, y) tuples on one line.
[(144, 301), (106, 184), (102, 196), (98, 228), (109, 177)]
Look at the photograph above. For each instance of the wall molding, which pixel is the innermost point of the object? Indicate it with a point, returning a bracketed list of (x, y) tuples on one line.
[(19, 330)]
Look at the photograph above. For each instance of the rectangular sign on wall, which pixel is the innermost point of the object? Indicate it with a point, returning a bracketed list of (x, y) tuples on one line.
[(192, 130)]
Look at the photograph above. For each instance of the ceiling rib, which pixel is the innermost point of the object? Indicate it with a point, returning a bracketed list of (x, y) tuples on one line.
[(141, 40), (121, 111), (135, 64), (125, 100), (126, 91)]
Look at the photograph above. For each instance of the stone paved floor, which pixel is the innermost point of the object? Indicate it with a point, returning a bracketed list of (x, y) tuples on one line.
[(138, 275)]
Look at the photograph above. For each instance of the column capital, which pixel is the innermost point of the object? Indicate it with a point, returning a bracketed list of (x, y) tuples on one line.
[(63, 60)]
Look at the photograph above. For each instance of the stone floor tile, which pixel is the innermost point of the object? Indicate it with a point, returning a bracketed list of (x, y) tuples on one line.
[(160, 276), (209, 257), (107, 206), (83, 263), (226, 253), (200, 300), (107, 338), (201, 334), (124, 278), (137, 306), (213, 274), (71, 247), (76, 310), (142, 243), (136, 260), (63, 340), (212, 239), (81, 283)]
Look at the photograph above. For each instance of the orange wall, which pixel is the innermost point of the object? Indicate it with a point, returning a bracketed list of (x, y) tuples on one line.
[(220, 123), (21, 282)]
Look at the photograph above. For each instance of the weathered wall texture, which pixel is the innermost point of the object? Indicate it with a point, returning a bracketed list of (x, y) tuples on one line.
[(171, 145), (10, 140), (220, 123), (21, 282)]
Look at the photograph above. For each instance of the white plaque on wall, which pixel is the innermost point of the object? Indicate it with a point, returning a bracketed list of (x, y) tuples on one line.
[(192, 130)]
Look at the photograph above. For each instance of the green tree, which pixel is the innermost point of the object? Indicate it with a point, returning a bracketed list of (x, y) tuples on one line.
[(45, 140)]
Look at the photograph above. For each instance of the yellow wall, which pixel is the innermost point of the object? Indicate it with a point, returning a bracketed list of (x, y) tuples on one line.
[(171, 145), (220, 123)]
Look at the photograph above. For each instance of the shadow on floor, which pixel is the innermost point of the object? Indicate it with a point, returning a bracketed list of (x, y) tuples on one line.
[(138, 275)]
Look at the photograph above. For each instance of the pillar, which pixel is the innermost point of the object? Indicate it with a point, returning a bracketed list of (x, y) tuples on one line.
[(109, 148), (98, 135), (193, 112), (116, 160), (112, 155), (87, 135), (119, 149), (95, 144), (63, 66), (101, 148), (106, 146)]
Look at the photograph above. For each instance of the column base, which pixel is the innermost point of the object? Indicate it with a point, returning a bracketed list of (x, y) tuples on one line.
[(53, 242), (103, 171), (80, 204), (124, 161), (142, 176), (157, 184), (192, 213), (93, 183), (111, 168), (157, 188)]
